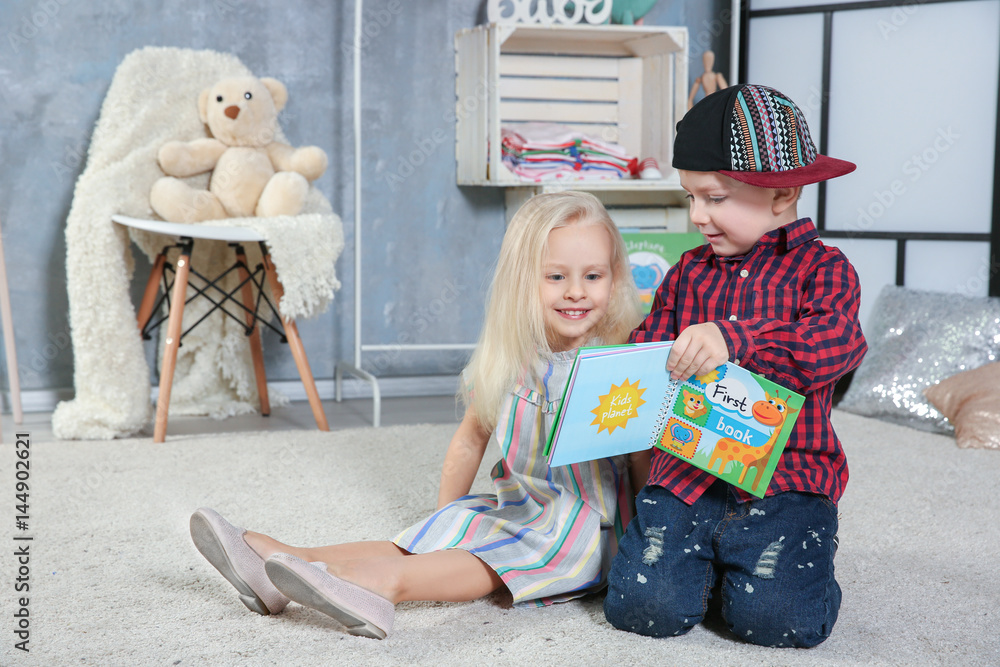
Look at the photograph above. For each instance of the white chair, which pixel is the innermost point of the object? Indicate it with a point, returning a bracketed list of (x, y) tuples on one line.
[(152, 99), (175, 294)]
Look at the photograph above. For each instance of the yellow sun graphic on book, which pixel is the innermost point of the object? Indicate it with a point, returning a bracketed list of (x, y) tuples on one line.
[(709, 377), (618, 406)]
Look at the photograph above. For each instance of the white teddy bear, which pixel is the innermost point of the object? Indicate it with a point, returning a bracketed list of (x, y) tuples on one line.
[(252, 175)]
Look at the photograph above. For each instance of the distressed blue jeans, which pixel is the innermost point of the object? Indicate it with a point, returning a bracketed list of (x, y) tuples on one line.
[(774, 557)]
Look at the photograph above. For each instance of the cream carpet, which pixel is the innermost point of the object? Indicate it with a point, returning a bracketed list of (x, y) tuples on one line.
[(115, 579)]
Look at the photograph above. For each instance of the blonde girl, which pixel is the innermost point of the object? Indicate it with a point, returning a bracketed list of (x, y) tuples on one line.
[(547, 534)]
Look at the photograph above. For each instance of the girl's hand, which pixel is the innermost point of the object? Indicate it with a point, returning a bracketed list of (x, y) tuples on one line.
[(697, 350)]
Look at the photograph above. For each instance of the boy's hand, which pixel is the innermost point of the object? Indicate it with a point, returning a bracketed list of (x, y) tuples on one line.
[(697, 350)]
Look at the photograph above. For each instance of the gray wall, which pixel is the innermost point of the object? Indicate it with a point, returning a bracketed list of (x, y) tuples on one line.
[(428, 244)]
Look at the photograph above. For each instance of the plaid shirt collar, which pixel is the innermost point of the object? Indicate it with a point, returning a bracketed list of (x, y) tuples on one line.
[(782, 240)]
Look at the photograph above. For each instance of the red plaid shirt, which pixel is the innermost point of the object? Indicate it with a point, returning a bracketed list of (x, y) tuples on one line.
[(788, 310)]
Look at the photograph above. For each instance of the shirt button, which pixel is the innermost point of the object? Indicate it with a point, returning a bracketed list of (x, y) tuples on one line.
[(736, 361), (744, 273), (732, 318)]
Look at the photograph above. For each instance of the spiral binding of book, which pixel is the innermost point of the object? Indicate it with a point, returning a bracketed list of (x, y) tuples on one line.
[(669, 396)]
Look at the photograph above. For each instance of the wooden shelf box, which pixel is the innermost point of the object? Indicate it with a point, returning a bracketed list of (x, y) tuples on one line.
[(623, 84)]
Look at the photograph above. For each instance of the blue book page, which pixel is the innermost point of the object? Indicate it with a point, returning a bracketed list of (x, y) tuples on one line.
[(614, 400)]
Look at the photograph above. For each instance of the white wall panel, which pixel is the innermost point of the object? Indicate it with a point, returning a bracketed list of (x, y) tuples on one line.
[(772, 39), (948, 266), (913, 101)]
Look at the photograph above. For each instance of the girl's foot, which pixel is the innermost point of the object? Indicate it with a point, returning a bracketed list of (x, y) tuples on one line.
[(222, 544), (362, 612)]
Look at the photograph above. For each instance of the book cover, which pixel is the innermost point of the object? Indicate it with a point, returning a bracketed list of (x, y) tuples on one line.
[(620, 399), (651, 254)]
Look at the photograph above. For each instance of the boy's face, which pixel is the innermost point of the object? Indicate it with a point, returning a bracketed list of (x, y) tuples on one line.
[(732, 215), (576, 283)]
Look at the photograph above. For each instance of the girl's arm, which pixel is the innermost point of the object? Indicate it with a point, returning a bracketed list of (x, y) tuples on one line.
[(461, 462)]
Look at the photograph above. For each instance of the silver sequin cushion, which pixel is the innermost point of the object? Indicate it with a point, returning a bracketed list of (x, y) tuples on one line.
[(916, 339)]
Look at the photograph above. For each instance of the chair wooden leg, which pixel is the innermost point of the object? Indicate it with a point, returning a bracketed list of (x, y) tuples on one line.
[(152, 288), (256, 352), (174, 326), (295, 344)]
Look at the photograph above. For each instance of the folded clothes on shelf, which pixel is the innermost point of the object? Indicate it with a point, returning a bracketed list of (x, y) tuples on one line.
[(540, 152)]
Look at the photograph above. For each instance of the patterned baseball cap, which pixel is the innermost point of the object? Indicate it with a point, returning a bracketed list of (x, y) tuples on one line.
[(755, 135)]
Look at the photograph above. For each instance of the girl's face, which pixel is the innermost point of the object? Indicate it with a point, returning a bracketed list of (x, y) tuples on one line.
[(576, 283), (731, 215)]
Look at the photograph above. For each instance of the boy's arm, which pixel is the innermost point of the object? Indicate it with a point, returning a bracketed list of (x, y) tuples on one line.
[(820, 345), (698, 349), (461, 462)]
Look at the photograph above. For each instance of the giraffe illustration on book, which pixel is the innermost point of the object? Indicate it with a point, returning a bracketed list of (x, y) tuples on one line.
[(772, 413)]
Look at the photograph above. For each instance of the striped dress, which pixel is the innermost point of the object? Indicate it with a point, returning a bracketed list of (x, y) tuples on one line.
[(549, 533)]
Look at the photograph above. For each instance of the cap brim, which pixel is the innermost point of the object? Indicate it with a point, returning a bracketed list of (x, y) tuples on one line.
[(823, 168)]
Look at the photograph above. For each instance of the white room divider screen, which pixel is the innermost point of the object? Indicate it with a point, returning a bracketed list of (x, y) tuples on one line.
[(908, 91)]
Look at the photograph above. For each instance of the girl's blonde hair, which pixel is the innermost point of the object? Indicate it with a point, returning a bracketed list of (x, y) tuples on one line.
[(514, 330)]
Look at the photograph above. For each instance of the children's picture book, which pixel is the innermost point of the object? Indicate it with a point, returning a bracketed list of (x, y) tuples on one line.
[(651, 254), (620, 399)]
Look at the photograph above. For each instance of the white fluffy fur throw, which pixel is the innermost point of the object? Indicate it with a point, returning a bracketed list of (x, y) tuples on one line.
[(153, 99)]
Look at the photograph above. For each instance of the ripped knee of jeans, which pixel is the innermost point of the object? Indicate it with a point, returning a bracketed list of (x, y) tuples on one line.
[(654, 548), (768, 560)]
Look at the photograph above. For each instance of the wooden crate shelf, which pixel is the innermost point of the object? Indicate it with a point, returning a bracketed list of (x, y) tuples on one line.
[(621, 84)]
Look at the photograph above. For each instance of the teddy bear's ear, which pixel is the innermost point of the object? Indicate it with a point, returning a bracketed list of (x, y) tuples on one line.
[(278, 92), (203, 104)]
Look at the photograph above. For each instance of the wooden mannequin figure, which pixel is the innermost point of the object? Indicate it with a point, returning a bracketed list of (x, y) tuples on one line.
[(709, 81)]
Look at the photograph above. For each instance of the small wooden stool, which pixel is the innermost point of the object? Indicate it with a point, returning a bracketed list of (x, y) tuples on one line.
[(176, 297)]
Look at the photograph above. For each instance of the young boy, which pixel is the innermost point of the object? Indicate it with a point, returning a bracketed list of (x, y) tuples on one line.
[(767, 294)]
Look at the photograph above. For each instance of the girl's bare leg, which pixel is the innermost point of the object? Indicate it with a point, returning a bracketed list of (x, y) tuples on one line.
[(267, 546), (452, 575)]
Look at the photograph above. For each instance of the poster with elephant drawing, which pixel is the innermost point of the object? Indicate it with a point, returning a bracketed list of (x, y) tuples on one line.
[(651, 254), (619, 399)]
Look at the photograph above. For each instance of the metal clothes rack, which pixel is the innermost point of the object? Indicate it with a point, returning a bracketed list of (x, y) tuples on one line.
[(354, 367)]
